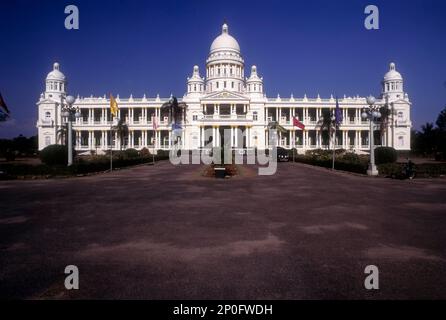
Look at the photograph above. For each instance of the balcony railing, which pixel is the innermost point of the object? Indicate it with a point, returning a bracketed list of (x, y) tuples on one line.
[(225, 117)]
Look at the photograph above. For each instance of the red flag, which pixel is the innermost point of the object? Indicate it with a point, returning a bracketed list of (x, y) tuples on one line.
[(297, 123)]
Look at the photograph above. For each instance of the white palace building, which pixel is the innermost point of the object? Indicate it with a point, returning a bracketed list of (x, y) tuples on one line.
[(222, 100)]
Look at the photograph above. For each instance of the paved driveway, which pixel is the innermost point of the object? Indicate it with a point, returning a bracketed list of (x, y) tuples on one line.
[(165, 232)]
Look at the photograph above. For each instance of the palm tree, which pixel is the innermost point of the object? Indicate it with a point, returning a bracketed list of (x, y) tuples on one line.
[(274, 125), (62, 134), (122, 129), (326, 125), (387, 114), (177, 110), (428, 138)]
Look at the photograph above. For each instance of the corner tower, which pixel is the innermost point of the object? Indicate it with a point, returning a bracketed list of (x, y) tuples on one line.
[(55, 84), (392, 84)]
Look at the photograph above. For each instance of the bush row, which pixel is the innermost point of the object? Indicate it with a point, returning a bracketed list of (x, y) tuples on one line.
[(423, 170), (82, 165), (347, 162)]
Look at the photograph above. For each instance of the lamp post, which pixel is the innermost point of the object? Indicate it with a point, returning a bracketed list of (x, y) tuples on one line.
[(71, 113), (371, 113)]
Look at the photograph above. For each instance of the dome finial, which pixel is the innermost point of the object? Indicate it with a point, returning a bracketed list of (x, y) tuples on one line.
[(392, 66), (56, 66), (224, 28)]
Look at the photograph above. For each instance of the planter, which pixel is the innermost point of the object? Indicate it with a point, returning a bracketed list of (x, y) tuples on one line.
[(220, 173)]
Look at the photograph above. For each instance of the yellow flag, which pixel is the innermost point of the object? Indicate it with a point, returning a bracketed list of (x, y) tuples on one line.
[(113, 106)]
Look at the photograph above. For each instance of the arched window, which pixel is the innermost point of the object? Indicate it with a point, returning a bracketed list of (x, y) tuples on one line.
[(255, 116), (401, 141), (47, 115)]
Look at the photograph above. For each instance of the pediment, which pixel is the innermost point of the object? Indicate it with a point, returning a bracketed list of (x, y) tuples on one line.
[(46, 101), (225, 95), (401, 101)]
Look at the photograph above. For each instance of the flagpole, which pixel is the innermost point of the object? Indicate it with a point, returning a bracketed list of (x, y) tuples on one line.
[(334, 148), (294, 141), (111, 145), (154, 146)]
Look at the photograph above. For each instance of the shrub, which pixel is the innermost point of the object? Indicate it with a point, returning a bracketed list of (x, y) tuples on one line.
[(162, 154), (350, 157), (10, 155), (291, 151), (54, 154), (131, 153), (323, 158), (385, 155), (145, 153), (392, 170)]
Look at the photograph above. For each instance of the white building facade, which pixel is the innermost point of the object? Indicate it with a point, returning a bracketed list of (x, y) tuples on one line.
[(224, 100)]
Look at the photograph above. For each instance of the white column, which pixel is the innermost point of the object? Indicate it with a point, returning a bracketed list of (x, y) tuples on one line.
[(201, 137), (217, 137), (89, 140), (236, 134)]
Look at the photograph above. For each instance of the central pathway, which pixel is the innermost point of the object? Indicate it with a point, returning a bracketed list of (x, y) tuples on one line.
[(166, 232)]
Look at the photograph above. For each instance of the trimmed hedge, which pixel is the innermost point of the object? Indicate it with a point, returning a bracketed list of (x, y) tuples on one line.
[(54, 154), (82, 166), (385, 155), (357, 166), (423, 170)]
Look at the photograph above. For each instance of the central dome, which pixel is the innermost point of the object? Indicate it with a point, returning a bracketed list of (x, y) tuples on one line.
[(392, 74), (225, 41), (56, 74)]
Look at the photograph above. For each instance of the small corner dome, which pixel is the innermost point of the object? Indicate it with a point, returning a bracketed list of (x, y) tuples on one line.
[(225, 41), (56, 74), (392, 74)]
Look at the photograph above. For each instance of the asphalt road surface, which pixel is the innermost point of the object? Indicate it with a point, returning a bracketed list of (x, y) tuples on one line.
[(166, 232)]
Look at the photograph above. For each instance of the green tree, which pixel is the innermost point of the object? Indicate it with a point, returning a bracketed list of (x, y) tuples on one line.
[(428, 138), (122, 130), (326, 126), (441, 120)]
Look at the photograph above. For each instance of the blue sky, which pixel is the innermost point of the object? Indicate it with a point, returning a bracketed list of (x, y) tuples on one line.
[(151, 46)]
